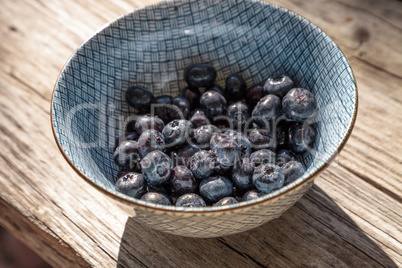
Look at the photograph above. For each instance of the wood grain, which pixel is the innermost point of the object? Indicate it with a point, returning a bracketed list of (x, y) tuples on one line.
[(350, 218)]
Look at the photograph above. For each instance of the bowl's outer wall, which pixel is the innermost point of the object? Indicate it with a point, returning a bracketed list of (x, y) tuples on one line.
[(153, 45)]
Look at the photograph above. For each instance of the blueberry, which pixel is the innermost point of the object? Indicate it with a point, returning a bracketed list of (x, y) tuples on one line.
[(293, 170), (127, 156), (156, 167), (263, 156), (252, 194), (299, 104), (226, 201), (132, 184), (269, 107), (203, 164), (200, 75), (190, 200), (126, 137), (261, 139), (242, 140), (282, 134), (213, 104), (177, 132), (283, 156), (226, 148), (150, 140), (140, 98), (184, 106), (182, 155), (278, 85), (146, 122), (198, 118), (218, 89), (268, 177), (302, 137), (156, 198), (215, 188), (238, 114), (182, 181), (162, 108), (202, 135), (254, 94), (192, 95), (242, 175), (235, 87)]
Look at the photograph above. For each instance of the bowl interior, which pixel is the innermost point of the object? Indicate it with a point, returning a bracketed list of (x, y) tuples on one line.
[(152, 46)]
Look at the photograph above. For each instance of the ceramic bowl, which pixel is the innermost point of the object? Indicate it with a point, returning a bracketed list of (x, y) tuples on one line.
[(151, 46)]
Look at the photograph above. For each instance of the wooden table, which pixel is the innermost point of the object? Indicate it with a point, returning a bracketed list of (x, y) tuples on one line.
[(351, 216)]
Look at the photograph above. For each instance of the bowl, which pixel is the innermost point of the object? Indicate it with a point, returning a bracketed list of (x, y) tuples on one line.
[(151, 46)]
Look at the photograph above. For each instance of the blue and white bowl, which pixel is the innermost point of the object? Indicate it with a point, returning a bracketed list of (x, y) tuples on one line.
[(151, 46)]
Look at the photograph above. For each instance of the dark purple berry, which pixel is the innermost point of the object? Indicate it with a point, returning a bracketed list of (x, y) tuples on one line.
[(299, 104), (190, 200), (182, 155), (242, 175), (146, 122), (261, 139), (184, 106), (126, 137), (127, 155), (150, 140), (282, 134), (263, 156), (226, 201), (242, 140), (140, 98), (162, 108), (156, 167), (238, 114), (268, 178), (177, 132), (203, 164), (251, 195), (200, 75), (254, 95), (278, 85), (215, 188), (302, 137), (202, 135), (156, 198), (182, 181), (198, 118), (226, 148), (283, 156), (192, 95), (293, 170), (269, 107), (235, 87), (213, 104), (132, 184)]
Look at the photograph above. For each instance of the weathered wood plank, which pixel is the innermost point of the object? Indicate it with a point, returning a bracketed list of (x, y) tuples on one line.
[(351, 218)]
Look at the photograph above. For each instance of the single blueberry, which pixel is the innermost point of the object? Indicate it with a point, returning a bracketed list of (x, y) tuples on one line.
[(126, 137), (242, 175), (140, 98), (238, 114), (162, 108), (132, 184), (250, 195), (282, 134), (263, 156), (268, 177), (215, 188), (127, 155), (190, 200), (156, 198), (278, 85), (302, 137), (283, 156), (202, 135), (146, 122), (213, 104), (156, 167), (261, 139), (200, 75), (242, 140), (177, 132), (198, 118), (184, 106), (150, 140), (269, 107), (235, 87), (254, 95), (226, 201), (227, 148), (182, 155), (293, 170), (182, 181), (299, 104), (203, 164), (192, 95)]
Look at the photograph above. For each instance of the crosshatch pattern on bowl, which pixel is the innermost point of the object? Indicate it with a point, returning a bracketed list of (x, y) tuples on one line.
[(153, 45)]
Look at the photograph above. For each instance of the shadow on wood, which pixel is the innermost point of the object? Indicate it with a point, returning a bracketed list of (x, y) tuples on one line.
[(315, 232)]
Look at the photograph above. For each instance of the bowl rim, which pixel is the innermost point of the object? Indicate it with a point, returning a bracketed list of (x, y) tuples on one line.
[(209, 209)]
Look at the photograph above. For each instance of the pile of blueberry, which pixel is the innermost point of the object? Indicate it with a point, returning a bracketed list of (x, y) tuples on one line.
[(218, 147)]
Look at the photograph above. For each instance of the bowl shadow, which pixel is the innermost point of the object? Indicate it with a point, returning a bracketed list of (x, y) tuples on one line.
[(315, 232)]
